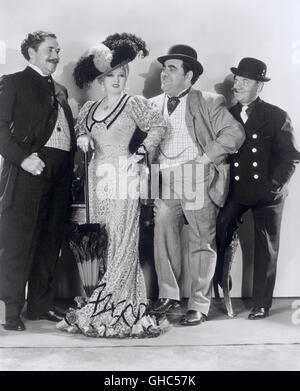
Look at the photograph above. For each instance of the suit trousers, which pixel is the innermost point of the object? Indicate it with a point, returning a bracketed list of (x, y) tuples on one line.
[(267, 221), (171, 210), (31, 231)]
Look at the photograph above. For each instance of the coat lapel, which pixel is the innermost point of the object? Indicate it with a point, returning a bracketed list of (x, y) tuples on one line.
[(61, 97), (194, 110), (256, 119)]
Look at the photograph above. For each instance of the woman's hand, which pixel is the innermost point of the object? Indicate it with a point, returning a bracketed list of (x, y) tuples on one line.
[(83, 143), (135, 158)]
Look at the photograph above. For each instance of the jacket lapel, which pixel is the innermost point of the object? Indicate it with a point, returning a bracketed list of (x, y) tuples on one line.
[(256, 119), (39, 81), (61, 97), (190, 102), (193, 110)]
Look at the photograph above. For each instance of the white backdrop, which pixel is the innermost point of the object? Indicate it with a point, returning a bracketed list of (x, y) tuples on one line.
[(222, 31)]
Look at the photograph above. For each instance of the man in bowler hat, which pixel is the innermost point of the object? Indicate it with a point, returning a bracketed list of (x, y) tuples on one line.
[(37, 142), (201, 134), (260, 172)]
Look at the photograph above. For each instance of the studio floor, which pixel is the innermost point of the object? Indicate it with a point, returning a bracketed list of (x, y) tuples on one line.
[(220, 344)]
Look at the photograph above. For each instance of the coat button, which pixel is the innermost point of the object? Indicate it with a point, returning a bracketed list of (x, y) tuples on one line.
[(254, 135), (254, 150), (236, 164), (237, 178), (255, 176), (254, 164)]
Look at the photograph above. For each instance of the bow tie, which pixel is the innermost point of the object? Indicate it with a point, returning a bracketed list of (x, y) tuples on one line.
[(173, 101)]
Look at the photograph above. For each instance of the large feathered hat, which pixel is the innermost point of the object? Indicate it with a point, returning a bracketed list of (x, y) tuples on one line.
[(116, 50)]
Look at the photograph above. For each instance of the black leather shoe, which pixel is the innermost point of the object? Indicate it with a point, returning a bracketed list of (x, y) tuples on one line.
[(163, 305), (14, 324), (51, 315), (193, 318), (258, 313)]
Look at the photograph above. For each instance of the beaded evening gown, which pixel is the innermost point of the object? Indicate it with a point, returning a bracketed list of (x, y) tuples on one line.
[(117, 307)]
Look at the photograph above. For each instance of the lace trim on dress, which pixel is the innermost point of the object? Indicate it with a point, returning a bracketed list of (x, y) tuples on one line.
[(91, 121), (124, 319)]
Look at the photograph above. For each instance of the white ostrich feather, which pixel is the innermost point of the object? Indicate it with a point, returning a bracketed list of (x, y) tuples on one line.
[(102, 57)]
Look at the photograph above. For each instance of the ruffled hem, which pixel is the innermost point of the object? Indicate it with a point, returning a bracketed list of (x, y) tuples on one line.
[(147, 327)]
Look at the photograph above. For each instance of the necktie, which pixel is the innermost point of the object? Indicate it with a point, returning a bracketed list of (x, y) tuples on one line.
[(173, 101), (244, 114)]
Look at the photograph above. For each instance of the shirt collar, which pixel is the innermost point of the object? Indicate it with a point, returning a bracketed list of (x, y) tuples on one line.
[(37, 69), (183, 92), (250, 105)]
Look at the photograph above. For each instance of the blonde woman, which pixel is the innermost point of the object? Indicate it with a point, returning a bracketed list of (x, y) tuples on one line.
[(117, 308)]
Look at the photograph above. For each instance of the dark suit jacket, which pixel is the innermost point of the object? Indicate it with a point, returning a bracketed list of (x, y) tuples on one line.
[(266, 161), (27, 119)]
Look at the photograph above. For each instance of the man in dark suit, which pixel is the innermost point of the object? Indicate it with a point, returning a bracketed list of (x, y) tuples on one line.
[(37, 143), (260, 172)]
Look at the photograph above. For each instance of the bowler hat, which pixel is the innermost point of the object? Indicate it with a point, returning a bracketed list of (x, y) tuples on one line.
[(251, 68), (185, 53)]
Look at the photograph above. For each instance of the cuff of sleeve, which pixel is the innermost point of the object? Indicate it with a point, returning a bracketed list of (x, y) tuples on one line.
[(276, 183), (19, 157)]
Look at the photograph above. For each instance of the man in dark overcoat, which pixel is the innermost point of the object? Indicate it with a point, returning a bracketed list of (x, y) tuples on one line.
[(37, 144), (260, 172)]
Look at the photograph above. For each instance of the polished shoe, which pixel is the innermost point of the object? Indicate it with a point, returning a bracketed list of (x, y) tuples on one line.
[(258, 313), (163, 305), (51, 315), (193, 318), (14, 324)]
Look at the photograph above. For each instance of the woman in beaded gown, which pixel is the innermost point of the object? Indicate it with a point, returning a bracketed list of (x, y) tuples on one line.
[(117, 307)]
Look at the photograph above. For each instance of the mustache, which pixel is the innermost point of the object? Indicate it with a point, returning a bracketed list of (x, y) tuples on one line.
[(233, 89)]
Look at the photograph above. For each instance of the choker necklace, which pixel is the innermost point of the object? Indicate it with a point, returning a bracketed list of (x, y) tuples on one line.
[(108, 106)]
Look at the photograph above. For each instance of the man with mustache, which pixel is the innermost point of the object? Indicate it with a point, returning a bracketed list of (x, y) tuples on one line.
[(37, 143), (194, 181), (260, 172)]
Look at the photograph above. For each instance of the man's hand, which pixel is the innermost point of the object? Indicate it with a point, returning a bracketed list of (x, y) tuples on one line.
[(33, 164), (132, 167)]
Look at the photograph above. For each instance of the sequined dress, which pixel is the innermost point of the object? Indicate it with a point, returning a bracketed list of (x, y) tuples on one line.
[(117, 307)]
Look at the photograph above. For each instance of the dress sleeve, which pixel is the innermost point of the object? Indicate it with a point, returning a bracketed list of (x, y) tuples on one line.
[(148, 118), (80, 127)]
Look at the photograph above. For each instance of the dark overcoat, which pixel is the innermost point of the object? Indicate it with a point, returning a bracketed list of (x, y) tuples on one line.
[(27, 118), (263, 166)]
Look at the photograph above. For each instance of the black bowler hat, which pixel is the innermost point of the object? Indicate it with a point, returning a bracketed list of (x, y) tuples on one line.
[(251, 68), (185, 53)]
